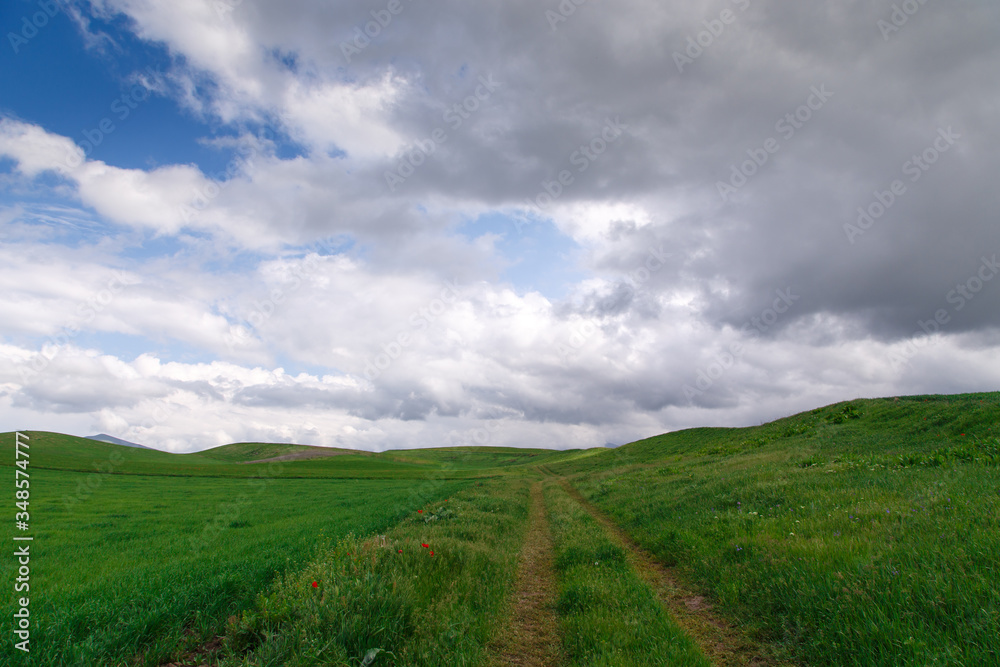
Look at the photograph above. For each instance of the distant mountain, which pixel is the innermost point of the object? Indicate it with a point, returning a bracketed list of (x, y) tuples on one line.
[(610, 445), (104, 437)]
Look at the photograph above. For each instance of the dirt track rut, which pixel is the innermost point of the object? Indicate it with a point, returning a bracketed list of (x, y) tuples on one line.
[(723, 644), (532, 636)]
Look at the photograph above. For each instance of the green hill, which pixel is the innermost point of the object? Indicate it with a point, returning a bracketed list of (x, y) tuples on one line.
[(885, 428), (908, 426), (55, 451), (860, 533), (243, 452)]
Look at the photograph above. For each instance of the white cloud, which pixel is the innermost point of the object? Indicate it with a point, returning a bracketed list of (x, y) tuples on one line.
[(36, 150), (352, 118), (671, 272), (320, 110), (132, 197), (594, 221), (181, 406)]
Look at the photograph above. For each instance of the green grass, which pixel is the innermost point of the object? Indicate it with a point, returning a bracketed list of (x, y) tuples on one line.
[(610, 617), (861, 533), (858, 534), (483, 458), (134, 565), (388, 600)]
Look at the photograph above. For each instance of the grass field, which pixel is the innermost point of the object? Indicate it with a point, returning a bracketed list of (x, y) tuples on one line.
[(863, 533), (860, 534), (131, 568)]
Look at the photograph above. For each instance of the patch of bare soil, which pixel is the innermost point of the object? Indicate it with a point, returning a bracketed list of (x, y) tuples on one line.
[(722, 643), (531, 638), (199, 656)]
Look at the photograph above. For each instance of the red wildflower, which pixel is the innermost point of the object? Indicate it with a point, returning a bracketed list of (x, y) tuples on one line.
[(420, 511), (315, 585), (424, 545)]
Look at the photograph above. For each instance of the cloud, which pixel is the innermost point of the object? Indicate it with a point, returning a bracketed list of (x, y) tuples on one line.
[(332, 116), (800, 152), (150, 200)]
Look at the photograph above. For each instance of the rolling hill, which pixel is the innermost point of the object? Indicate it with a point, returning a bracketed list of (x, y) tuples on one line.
[(863, 532)]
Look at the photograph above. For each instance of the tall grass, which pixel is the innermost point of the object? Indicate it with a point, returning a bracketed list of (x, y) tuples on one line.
[(389, 600)]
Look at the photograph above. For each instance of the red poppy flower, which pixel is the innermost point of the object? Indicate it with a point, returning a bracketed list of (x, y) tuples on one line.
[(315, 585), (432, 553), (424, 545), (420, 511), (400, 551)]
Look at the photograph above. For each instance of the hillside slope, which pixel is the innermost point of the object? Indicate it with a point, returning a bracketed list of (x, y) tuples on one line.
[(861, 533), (913, 426)]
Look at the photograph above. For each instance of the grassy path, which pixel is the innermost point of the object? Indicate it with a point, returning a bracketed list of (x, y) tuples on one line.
[(720, 642), (531, 638)]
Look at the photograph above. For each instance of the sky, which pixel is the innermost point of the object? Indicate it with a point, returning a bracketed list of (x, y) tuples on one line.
[(400, 223)]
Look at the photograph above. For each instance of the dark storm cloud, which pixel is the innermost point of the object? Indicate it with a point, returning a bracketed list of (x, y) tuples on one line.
[(885, 96), (687, 130)]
